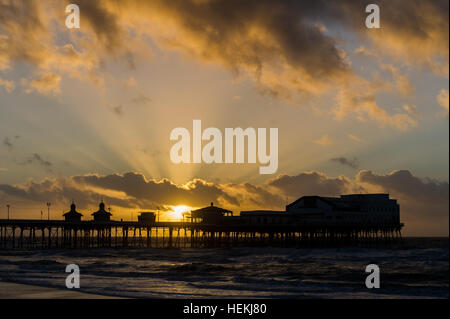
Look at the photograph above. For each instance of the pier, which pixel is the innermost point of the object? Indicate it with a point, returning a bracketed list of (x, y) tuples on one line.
[(54, 234), (311, 221)]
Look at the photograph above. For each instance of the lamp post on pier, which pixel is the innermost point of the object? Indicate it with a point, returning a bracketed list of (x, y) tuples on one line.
[(48, 210)]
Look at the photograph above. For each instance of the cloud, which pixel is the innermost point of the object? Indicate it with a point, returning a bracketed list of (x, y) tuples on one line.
[(401, 81), (405, 183), (130, 190), (47, 84), (131, 83), (324, 141), (354, 138), (413, 110), (22, 33), (287, 48), (33, 32), (7, 142), (195, 193), (118, 109), (414, 32), (362, 50), (442, 100), (8, 85), (37, 159), (424, 202), (247, 195), (311, 183), (360, 98), (141, 99), (352, 163), (104, 23)]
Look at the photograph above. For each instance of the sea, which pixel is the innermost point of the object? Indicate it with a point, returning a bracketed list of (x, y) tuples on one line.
[(417, 269)]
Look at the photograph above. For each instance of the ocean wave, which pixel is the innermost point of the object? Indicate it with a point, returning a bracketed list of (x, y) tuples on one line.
[(238, 272)]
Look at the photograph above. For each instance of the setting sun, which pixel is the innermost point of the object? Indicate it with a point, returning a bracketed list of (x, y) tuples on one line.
[(177, 211)]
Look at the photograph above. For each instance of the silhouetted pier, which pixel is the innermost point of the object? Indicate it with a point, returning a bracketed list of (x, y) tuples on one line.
[(46, 234), (310, 221)]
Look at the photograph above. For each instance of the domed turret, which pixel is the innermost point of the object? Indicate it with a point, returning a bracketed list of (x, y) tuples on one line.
[(72, 215), (102, 215)]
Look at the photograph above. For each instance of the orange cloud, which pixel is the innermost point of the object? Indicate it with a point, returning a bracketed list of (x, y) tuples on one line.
[(47, 84), (360, 98), (354, 138), (324, 141), (276, 44), (442, 100)]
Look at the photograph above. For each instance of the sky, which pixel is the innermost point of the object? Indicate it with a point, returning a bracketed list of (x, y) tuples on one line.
[(86, 114)]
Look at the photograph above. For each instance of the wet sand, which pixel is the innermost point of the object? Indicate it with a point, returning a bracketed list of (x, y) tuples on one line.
[(19, 291)]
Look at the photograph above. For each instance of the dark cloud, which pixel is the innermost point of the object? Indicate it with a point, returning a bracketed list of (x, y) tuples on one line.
[(38, 159), (118, 109), (35, 158), (7, 142), (133, 190), (195, 193), (287, 47), (290, 47), (311, 183), (424, 202), (252, 196), (352, 163), (255, 33), (141, 99), (252, 35), (103, 22), (59, 192), (405, 183)]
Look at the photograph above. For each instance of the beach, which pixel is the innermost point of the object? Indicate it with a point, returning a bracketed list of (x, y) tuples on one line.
[(9, 290)]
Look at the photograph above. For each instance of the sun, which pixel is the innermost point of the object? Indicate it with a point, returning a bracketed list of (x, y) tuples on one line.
[(177, 211)]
